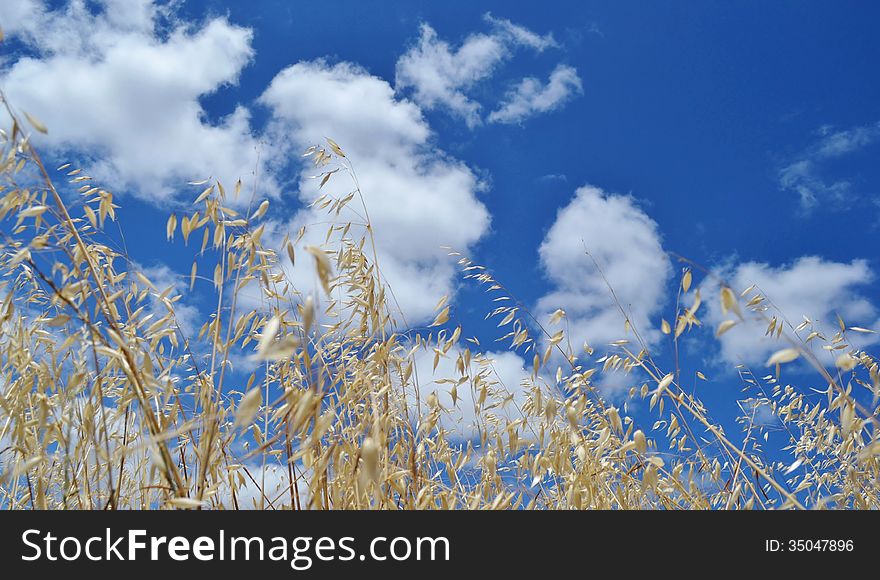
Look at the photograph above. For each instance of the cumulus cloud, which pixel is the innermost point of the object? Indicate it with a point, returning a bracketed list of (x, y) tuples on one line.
[(440, 76), (532, 96), (627, 246), (509, 386), (805, 174), (808, 287), (419, 199), (118, 85)]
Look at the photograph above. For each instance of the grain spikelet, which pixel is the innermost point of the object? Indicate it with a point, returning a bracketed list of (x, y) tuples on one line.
[(786, 355), (248, 407)]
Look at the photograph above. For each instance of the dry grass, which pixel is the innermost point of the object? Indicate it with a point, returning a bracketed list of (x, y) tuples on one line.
[(107, 403)]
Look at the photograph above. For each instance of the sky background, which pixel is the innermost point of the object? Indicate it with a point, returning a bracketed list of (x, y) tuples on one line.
[(743, 136)]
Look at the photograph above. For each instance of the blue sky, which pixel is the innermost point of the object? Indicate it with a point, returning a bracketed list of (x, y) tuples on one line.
[(743, 136)]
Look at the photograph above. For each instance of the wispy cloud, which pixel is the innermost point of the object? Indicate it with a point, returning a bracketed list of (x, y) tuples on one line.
[(805, 175), (553, 177), (837, 143), (532, 96), (441, 76), (521, 34)]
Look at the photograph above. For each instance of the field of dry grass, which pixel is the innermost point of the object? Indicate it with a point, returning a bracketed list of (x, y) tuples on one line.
[(108, 402)]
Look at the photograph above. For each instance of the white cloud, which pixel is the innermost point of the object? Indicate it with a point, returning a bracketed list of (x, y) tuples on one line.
[(520, 34), (187, 316), (626, 244), (21, 17), (121, 93), (802, 178), (532, 96), (418, 198), (441, 75), (837, 143), (509, 385), (804, 175), (272, 482), (810, 286)]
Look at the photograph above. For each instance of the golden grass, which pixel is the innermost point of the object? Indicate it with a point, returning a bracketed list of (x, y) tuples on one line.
[(107, 403)]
